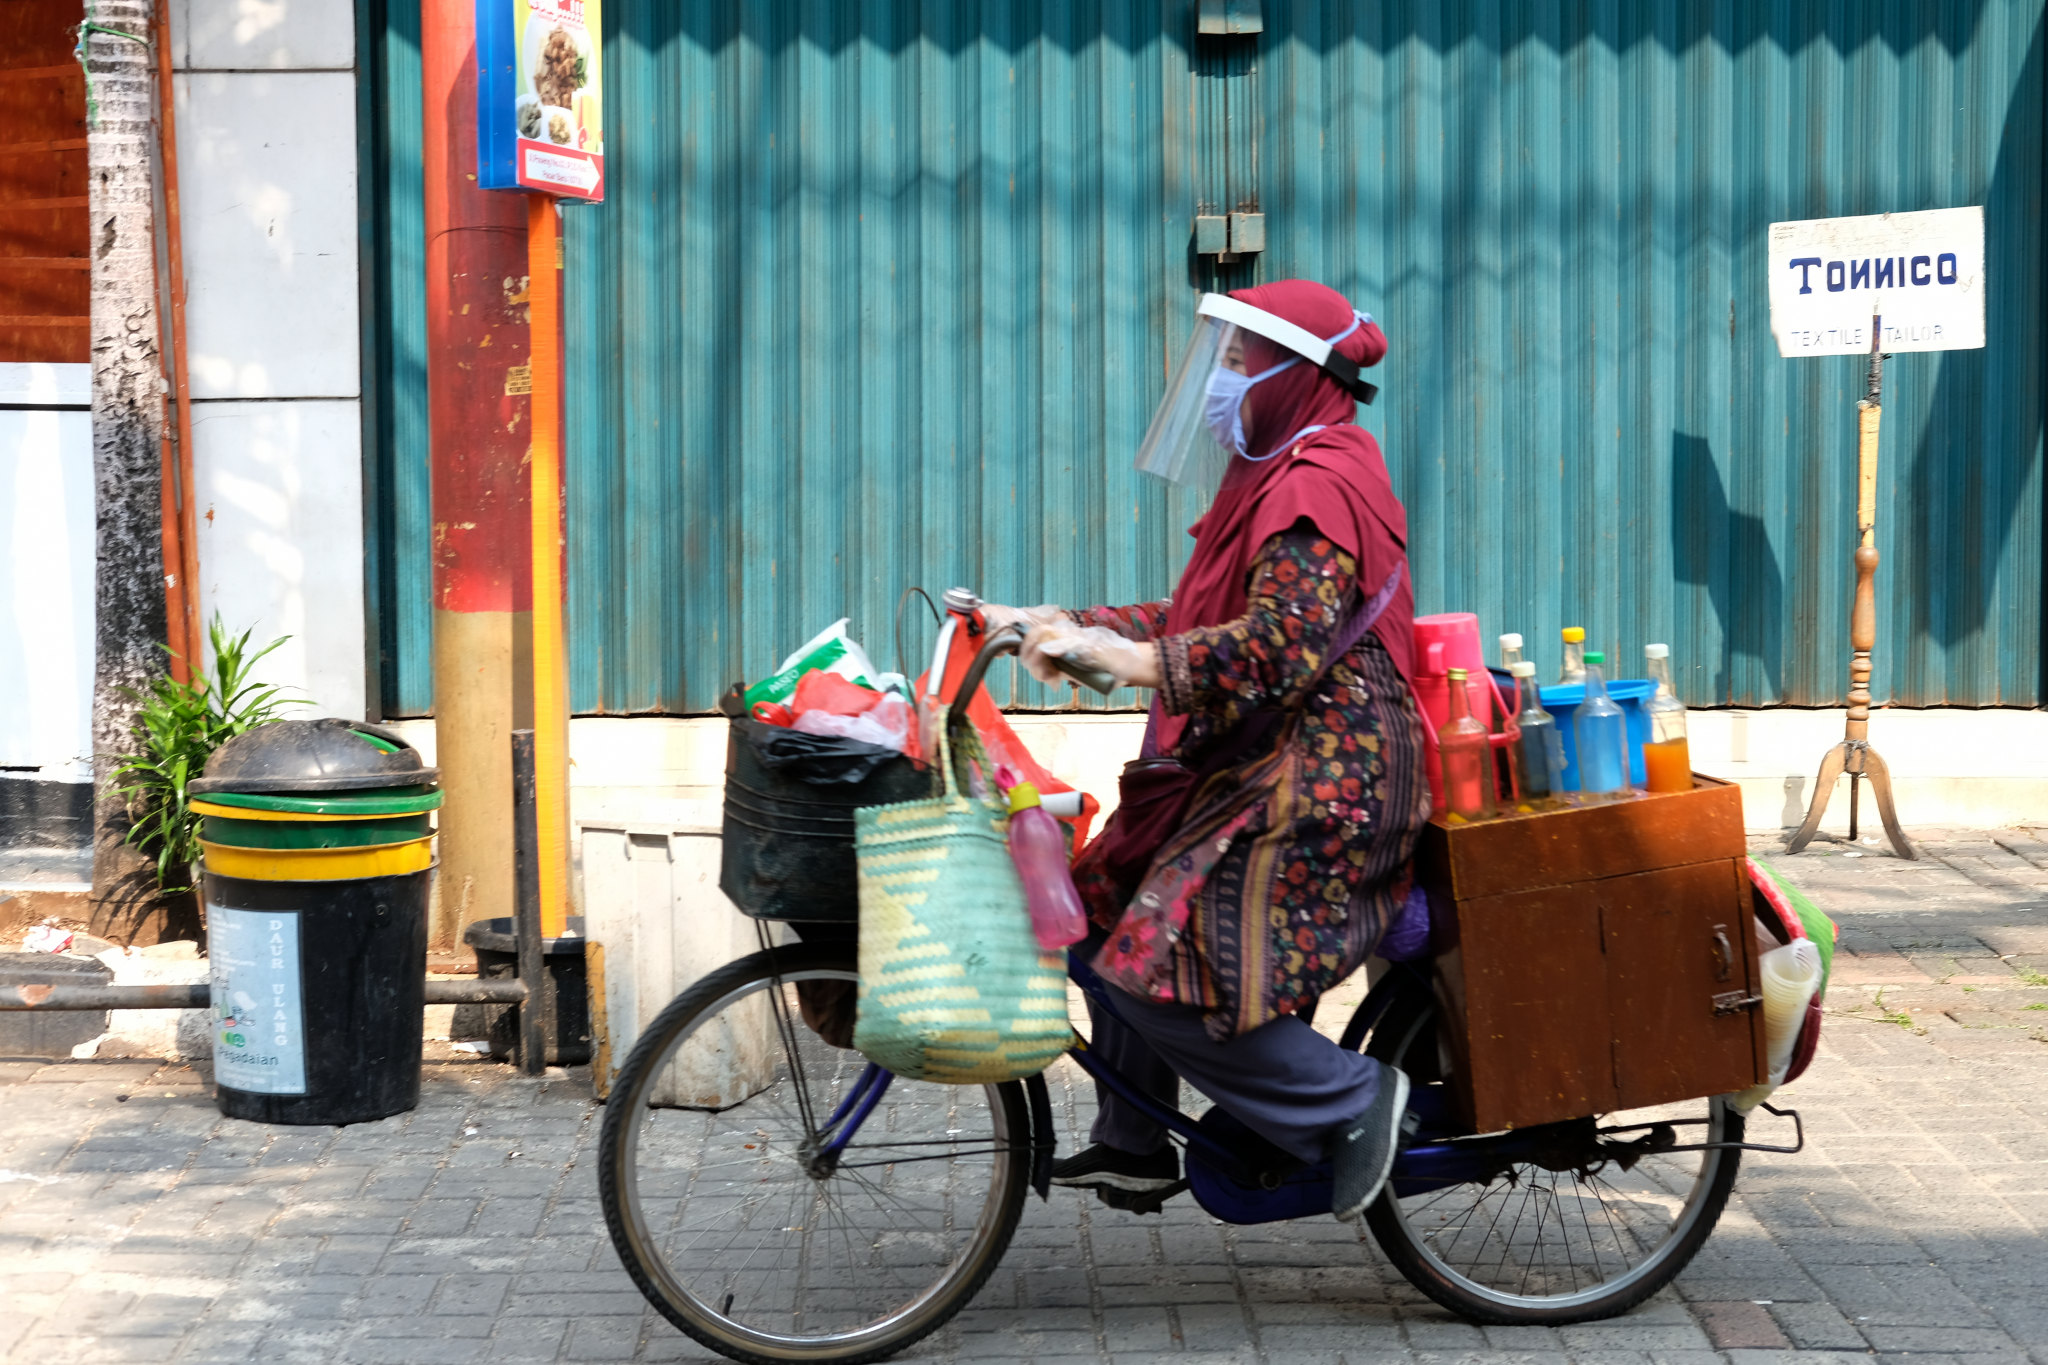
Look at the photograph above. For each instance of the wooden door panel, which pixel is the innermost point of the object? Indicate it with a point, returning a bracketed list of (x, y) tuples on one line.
[(1523, 974), (1675, 939)]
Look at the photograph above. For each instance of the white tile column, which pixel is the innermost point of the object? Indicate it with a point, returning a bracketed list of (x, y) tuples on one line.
[(267, 179)]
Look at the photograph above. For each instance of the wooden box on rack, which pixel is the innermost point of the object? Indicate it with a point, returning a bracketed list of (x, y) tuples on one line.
[(1595, 958)]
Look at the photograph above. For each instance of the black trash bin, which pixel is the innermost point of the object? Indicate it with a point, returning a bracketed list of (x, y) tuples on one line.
[(317, 850), (564, 977)]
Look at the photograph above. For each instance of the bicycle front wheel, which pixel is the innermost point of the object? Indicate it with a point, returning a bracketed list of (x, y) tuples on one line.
[(778, 1199)]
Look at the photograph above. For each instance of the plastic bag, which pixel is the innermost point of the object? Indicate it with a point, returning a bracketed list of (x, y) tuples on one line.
[(829, 650), (824, 691), (886, 723), (823, 760), (998, 740), (1407, 934)]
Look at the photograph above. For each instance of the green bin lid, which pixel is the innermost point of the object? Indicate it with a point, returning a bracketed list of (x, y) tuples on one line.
[(315, 758), (387, 801)]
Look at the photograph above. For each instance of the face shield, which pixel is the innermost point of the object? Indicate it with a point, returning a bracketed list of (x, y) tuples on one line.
[(1196, 428)]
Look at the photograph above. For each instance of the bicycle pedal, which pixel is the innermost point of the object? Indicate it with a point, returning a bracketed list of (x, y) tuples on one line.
[(1139, 1201)]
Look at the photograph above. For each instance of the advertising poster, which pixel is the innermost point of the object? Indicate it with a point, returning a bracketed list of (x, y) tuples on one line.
[(540, 97), (259, 1037)]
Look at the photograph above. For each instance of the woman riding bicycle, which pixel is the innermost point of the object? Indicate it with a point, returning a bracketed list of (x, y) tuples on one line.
[(1259, 864)]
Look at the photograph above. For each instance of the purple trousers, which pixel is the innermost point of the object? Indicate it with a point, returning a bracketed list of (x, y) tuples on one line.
[(1283, 1080)]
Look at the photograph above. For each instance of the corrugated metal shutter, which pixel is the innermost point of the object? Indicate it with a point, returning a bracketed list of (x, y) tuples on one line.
[(884, 294), (397, 501), (882, 299)]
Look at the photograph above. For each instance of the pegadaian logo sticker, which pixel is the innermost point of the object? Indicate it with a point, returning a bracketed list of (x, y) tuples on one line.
[(259, 1040)]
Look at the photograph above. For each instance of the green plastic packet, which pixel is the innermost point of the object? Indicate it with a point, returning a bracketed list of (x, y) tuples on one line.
[(831, 650)]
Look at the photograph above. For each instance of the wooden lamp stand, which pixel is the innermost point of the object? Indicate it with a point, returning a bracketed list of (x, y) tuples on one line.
[(1854, 757)]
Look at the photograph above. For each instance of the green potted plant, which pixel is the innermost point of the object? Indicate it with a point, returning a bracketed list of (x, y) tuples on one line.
[(177, 727)]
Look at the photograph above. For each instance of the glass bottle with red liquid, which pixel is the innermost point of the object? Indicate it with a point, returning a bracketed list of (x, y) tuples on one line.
[(1467, 755)]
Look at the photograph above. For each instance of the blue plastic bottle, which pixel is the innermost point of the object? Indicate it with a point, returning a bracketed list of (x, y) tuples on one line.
[(1602, 735)]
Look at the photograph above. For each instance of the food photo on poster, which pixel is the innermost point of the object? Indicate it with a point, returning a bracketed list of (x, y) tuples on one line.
[(540, 97)]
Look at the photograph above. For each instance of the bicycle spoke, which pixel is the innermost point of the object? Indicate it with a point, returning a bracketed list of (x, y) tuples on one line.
[(760, 1238)]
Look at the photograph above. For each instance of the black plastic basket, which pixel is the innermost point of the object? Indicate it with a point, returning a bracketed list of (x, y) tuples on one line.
[(788, 851)]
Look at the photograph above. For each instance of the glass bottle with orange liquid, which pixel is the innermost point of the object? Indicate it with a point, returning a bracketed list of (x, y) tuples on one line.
[(1667, 764), (1467, 755)]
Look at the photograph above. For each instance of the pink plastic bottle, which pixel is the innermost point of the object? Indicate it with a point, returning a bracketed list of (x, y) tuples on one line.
[(1040, 852)]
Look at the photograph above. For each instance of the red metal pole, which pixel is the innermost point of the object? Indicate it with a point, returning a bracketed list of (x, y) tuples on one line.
[(181, 523), (478, 381)]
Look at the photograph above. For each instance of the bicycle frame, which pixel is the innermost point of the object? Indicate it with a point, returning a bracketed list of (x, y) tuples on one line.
[(1442, 1155)]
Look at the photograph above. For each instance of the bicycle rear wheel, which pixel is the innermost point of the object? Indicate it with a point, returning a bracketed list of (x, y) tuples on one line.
[(742, 1220), (1567, 1223)]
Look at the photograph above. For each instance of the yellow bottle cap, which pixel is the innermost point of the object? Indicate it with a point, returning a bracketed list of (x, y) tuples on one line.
[(1574, 634), (1023, 796), (1455, 674)]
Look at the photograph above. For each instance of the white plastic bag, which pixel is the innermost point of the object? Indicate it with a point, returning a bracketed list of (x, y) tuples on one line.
[(886, 726), (830, 650)]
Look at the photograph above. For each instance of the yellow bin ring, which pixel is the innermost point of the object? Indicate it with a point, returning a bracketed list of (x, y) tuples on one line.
[(319, 864)]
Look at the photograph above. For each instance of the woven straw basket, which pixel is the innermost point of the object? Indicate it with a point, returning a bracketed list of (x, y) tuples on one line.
[(953, 985)]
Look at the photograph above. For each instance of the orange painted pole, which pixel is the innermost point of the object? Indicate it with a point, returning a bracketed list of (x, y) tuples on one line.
[(550, 664)]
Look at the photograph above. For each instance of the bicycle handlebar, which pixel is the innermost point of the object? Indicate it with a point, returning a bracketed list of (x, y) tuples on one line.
[(1009, 640)]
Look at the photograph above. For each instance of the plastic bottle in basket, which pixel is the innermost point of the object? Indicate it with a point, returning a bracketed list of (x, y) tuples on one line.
[(1040, 852), (1602, 735)]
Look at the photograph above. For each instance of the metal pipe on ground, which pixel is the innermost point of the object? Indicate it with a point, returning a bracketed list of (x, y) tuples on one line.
[(199, 995), (536, 1021)]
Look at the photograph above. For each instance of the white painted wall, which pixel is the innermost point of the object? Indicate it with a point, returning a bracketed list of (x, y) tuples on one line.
[(1950, 767), (267, 177), (46, 563)]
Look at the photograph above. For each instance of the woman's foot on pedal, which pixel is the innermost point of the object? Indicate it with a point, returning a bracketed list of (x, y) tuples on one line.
[(1106, 1167), (1363, 1155)]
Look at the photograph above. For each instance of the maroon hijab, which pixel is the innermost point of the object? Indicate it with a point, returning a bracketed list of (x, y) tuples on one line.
[(1334, 478)]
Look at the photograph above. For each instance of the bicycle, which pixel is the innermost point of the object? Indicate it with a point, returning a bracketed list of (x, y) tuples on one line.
[(770, 1234)]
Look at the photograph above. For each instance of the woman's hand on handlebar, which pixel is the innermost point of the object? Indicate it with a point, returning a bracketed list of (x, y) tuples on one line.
[(995, 616), (1133, 663)]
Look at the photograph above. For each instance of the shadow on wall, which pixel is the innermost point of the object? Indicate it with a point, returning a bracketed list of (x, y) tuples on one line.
[(1728, 553), (1975, 460)]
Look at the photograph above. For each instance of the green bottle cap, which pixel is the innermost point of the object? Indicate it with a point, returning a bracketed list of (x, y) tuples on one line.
[(1594, 656)]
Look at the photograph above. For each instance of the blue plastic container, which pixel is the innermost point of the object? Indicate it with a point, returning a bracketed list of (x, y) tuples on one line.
[(1629, 694)]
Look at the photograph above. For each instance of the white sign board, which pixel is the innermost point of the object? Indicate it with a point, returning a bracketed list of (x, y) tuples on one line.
[(1922, 274)]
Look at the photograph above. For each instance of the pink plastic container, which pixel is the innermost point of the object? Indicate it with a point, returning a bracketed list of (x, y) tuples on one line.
[(1446, 641), (1458, 633)]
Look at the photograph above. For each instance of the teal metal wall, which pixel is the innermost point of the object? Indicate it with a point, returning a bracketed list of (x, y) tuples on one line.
[(883, 296), (397, 502)]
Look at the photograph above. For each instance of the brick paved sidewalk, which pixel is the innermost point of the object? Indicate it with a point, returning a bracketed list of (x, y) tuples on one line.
[(136, 1224)]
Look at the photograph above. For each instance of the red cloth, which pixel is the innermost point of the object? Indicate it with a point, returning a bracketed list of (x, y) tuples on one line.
[(1334, 478)]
